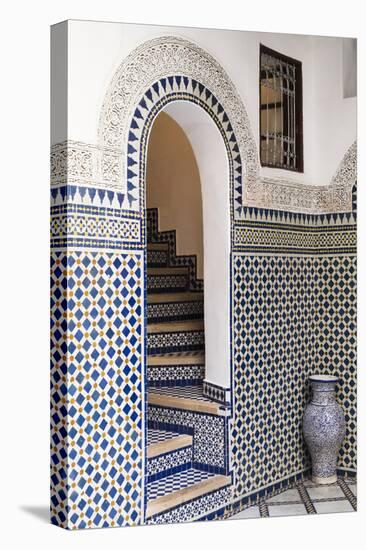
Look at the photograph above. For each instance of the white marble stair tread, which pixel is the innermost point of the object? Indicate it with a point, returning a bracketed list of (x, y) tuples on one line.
[(181, 487), (176, 326), (161, 442), (176, 359), (190, 398), (163, 297)]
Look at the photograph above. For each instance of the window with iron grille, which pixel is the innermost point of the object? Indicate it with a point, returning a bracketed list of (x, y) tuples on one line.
[(280, 89)]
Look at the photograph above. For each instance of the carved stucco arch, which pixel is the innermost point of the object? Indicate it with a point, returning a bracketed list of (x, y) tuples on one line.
[(151, 61)]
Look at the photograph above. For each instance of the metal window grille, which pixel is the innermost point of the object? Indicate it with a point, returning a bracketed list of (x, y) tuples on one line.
[(280, 111)]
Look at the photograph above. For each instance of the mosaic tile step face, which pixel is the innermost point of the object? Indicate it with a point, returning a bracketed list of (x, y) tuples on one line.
[(209, 431), (157, 436), (157, 255), (174, 370), (167, 280), (187, 392), (175, 482), (171, 462), (175, 307), (175, 337)]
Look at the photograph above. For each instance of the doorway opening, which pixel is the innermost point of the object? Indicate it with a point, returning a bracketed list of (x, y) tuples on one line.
[(182, 329)]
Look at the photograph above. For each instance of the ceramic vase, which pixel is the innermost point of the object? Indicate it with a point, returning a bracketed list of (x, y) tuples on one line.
[(324, 428)]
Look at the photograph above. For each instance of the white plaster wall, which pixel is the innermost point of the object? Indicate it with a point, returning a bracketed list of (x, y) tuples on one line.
[(207, 145), (95, 50), (173, 185)]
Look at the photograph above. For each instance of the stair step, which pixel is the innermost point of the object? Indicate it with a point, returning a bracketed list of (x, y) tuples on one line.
[(168, 453), (167, 279), (157, 256), (184, 397), (168, 442), (173, 337), (181, 487), (175, 297), (176, 326), (175, 307), (175, 369), (176, 359), (157, 246), (168, 271)]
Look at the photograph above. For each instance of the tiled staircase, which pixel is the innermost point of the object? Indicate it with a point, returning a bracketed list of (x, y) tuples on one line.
[(187, 432)]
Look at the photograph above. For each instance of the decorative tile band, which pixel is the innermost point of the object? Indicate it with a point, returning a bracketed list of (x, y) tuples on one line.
[(216, 393), (175, 375), (95, 227), (265, 239)]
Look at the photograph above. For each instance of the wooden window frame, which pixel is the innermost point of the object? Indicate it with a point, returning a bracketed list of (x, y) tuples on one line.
[(298, 110)]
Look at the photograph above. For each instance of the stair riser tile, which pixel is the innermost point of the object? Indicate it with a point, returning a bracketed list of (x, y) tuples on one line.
[(180, 375), (174, 342), (195, 508), (174, 311), (210, 434), (167, 283), (157, 258), (169, 237), (169, 463)]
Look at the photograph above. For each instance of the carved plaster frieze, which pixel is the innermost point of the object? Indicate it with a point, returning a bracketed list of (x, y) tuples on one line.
[(162, 57), (75, 162)]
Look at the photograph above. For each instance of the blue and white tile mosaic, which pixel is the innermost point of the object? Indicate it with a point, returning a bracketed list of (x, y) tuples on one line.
[(97, 431), (293, 311), (210, 434)]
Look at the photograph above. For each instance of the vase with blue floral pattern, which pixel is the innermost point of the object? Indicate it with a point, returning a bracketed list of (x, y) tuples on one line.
[(324, 428)]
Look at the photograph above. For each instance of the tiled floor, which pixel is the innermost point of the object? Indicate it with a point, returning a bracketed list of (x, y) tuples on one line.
[(307, 498), (179, 480)]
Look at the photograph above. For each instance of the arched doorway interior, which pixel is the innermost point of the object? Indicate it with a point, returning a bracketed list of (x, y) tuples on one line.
[(188, 305)]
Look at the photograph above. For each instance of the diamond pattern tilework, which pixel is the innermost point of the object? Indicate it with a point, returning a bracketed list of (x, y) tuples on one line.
[(335, 302), (96, 376), (278, 340)]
